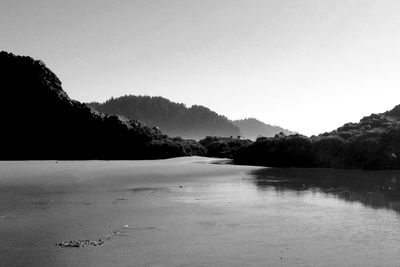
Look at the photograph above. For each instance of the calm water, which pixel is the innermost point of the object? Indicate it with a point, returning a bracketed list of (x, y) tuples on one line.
[(333, 217), (181, 212), (377, 190), (280, 217)]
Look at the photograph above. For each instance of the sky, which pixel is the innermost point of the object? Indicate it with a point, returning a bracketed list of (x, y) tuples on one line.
[(309, 66)]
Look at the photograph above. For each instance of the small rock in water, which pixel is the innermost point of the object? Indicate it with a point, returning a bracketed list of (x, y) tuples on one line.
[(80, 243)]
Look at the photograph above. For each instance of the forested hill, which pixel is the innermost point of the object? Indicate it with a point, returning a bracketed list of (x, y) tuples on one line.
[(252, 128), (174, 119), (373, 143), (40, 121)]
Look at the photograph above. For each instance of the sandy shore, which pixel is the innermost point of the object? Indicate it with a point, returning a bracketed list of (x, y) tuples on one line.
[(150, 213)]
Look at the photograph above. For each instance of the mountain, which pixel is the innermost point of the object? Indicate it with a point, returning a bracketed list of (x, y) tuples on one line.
[(373, 143), (39, 121), (252, 129), (174, 119)]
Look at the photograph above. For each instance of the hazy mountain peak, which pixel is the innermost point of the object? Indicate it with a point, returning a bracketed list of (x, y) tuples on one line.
[(253, 128)]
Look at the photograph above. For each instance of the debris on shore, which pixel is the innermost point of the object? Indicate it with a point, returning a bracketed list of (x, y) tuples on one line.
[(80, 243)]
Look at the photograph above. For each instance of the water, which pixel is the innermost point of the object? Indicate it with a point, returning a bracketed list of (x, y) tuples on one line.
[(182, 213), (279, 217), (333, 217), (303, 217)]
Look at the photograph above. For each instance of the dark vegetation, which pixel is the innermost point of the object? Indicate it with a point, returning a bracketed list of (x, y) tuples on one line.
[(39, 121), (223, 147), (281, 150), (174, 119), (373, 143), (252, 129)]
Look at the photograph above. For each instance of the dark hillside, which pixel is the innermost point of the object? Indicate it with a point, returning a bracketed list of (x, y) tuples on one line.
[(373, 143), (39, 121), (174, 119)]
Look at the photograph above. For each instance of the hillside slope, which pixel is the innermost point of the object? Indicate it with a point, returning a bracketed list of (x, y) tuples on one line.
[(373, 143), (252, 128), (40, 121), (174, 119)]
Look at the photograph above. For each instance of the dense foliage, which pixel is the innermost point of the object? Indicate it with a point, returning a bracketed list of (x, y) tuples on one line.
[(39, 121), (281, 151), (172, 118), (373, 143), (223, 147)]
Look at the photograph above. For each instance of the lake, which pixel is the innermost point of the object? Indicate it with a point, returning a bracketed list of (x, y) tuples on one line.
[(190, 212)]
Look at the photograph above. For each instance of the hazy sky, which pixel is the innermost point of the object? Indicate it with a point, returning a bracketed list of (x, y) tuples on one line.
[(309, 66)]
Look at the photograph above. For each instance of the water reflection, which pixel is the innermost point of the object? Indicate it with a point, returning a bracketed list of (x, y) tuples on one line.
[(376, 189)]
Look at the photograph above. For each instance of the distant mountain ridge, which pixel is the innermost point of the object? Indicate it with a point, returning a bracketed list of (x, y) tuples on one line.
[(252, 128), (175, 119)]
